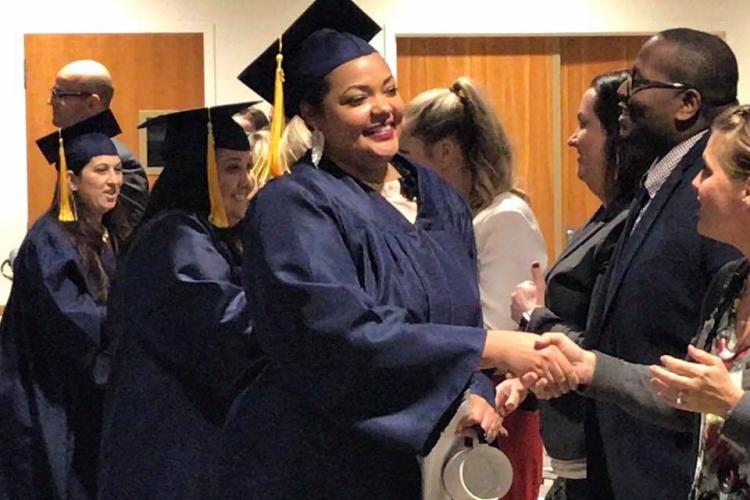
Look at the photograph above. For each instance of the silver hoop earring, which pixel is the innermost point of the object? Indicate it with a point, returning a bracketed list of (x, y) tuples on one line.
[(318, 142)]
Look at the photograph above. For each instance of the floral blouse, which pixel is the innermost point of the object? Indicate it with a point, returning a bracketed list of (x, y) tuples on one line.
[(718, 475)]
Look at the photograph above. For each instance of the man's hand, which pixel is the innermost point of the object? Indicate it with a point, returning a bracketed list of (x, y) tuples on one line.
[(582, 361)]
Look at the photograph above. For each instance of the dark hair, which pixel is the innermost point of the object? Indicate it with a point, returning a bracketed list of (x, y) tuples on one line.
[(607, 112), (182, 184), (88, 239), (461, 111), (256, 117), (622, 170), (705, 62), (316, 91)]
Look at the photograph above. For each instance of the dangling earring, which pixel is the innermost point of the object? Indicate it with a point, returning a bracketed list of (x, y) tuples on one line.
[(318, 142)]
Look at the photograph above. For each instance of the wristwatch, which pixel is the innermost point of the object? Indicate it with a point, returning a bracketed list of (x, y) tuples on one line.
[(524, 322)]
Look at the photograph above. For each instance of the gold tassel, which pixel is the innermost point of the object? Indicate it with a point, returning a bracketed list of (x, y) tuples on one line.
[(65, 213), (218, 215), (276, 167)]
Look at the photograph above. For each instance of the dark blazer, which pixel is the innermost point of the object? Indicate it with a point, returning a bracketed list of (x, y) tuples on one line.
[(651, 306), (628, 385), (571, 282)]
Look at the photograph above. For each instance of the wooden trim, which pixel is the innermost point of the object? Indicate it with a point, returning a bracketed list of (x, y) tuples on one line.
[(557, 168)]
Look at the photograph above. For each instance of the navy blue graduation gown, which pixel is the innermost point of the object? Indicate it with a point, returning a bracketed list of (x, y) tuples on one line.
[(182, 338), (50, 374), (373, 331)]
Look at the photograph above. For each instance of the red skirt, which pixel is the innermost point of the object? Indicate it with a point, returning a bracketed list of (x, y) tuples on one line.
[(524, 449)]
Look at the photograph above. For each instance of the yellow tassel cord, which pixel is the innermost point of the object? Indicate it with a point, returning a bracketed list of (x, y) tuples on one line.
[(276, 167), (218, 215), (65, 213)]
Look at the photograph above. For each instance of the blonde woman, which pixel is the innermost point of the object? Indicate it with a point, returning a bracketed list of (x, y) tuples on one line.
[(455, 132)]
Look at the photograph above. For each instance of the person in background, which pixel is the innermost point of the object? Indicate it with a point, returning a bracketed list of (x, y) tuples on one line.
[(295, 142), (181, 332), (612, 175), (252, 119), (661, 268), (52, 371), (455, 132), (360, 273), (708, 394), (84, 88)]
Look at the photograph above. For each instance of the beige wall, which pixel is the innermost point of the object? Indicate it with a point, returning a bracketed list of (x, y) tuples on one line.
[(237, 30)]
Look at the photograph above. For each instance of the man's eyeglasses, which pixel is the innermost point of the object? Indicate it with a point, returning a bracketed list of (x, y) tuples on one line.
[(59, 94), (635, 85)]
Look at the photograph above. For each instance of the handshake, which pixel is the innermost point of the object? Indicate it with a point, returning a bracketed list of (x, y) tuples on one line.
[(549, 365)]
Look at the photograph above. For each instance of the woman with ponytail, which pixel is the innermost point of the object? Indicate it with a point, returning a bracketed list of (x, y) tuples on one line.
[(455, 132), (51, 367)]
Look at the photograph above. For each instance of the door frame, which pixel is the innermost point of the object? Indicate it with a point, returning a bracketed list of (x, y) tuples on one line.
[(209, 44), (390, 54)]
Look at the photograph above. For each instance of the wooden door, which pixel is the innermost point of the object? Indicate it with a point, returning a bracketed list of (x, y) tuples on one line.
[(517, 77), (534, 84), (150, 71)]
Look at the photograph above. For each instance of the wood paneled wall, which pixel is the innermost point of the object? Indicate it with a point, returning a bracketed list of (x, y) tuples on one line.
[(535, 85), (150, 71)]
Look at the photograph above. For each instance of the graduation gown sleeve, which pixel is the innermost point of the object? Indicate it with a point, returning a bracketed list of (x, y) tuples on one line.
[(360, 360), (74, 317), (197, 318), (50, 334)]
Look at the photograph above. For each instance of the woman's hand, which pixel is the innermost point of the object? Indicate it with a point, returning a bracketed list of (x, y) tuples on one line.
[(702, 387), (509, 394), (483, 414), (528, 295)]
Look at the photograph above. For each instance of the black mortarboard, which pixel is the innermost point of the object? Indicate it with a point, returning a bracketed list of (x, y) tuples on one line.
[(73, 147), (186, 131), (81, 141), (189, 180), (328, 34)]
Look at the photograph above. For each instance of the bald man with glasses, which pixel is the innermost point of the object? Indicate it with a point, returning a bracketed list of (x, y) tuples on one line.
[(85, 88)]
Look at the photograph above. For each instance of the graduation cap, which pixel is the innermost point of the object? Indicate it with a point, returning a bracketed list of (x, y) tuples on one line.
[(72, 147), (190, 179), (328, 34)]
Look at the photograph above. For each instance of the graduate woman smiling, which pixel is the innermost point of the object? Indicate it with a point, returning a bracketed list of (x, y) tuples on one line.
[(360, 270), (51, 374)]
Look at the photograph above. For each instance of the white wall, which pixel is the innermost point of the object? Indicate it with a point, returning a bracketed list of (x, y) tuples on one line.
[(241, 29)]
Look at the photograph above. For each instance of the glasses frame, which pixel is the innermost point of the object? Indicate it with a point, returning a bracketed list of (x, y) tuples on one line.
[(56, 94), (635, 85)]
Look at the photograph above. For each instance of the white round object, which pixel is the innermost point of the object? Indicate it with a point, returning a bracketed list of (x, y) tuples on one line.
[(478, 473)]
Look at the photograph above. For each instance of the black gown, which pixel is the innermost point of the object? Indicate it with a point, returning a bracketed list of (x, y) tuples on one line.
[(181, 338), (373, 330), (51, 373)]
